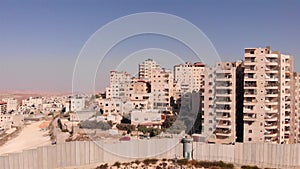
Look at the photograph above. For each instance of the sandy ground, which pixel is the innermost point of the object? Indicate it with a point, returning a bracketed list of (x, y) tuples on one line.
[(31, 136)]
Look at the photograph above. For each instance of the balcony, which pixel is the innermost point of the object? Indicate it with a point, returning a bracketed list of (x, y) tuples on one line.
[(222, 94), (271, 61), (247, 55), (271, 86), (248, 111), (223, 79), (271, 102), (272, 56), (270, 134), (223, 118), (223, 134), (249, 117), (223, 107), (270, 126), (271, 79), (270, 118), (223, 87), (271, 110), (224, 75), (249, 101), (250, 93), (271, 94), (250, 85), (248, 62), (223, 126), (223, 71)]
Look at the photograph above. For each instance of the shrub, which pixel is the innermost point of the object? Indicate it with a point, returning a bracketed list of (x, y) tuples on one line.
[(249, 167), (150, 161), (182, 161), (137, 162), (195, 163), (102, 166), (126, 127), (207, 164), (117, 164)]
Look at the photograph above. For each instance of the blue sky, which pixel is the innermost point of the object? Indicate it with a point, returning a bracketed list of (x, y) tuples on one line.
[(40, 40)]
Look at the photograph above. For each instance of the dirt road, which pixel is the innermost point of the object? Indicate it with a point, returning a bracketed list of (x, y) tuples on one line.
[(31, 136)]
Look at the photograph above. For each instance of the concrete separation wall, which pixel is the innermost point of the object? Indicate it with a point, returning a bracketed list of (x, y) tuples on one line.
[(86, 153)]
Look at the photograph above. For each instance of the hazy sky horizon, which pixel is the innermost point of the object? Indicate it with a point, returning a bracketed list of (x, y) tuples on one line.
[(40, 40)]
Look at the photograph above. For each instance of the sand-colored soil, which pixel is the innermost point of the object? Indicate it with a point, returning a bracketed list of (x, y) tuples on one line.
[(31, 136)]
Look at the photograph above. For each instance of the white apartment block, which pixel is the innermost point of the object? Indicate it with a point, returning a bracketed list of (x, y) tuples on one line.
[(267, 96), (9, 120), (145, 69), (77, 104), (35, 102), (161, 88), (118, 84), (12, 104)]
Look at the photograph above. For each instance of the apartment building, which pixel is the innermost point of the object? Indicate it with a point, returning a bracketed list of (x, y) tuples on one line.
[(188, 93), (188, 77), (220, 102), (77, 104), (12, 104), (111, 106), (267, 97), (118, 84), (161, 88), (35, 102), (3, 107), (296, 90), (10, 120), (145, 69)]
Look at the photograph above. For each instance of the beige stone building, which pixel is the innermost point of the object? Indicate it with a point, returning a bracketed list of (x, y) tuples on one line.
[(145, 69), (12, 104), (161, 88), (267, 96), (188, 77), (3, 107), (118, 84), (220, 102)]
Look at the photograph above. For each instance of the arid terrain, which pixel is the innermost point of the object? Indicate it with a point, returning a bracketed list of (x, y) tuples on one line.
[(31, 136)]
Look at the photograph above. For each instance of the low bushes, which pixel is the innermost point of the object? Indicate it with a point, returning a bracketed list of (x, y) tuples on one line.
[(249, 167)]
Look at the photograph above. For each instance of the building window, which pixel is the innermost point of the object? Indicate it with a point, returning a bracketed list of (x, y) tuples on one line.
[(249, 139), (250, 131)]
